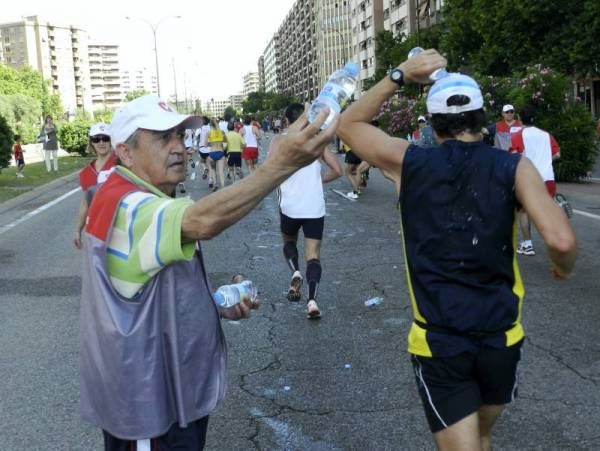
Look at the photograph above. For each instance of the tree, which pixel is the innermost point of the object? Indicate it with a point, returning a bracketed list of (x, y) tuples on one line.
[(73, 136), (497, 38), (103, 116), (230, 112), (253, 102), (22, 114), (131, 95), (6, 140)]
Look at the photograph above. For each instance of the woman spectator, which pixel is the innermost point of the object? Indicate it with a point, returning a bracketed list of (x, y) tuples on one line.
[(48, 138), (95, 173)]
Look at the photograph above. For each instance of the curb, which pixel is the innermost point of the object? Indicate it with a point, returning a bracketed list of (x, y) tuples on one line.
[(35, 192)]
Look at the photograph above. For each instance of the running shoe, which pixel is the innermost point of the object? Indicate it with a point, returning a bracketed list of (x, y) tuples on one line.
[(229, 176), (312, 310), (205, 174), (352, 195), (211, 185), (563, 203), (295, 290), (181, 188), (524, 249)]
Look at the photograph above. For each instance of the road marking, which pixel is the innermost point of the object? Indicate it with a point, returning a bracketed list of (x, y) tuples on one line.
[(13, 224), (585, 213)]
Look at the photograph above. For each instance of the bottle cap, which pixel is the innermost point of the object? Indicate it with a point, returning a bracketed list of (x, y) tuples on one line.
[(352, 69)]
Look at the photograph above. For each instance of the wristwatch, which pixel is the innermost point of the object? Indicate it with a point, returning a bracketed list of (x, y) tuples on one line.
[(397, 76)]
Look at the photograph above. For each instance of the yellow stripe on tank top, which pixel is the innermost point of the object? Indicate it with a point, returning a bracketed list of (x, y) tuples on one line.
[(417, 337), (516, 333)]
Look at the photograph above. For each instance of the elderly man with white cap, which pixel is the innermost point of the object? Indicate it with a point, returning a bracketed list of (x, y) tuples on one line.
[(457, 207), (153, 355), (506, 127)]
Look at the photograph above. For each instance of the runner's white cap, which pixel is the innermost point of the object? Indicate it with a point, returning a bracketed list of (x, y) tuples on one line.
[(99, 128), (508, 107), (148, 112), (451, 85), (421, 118)]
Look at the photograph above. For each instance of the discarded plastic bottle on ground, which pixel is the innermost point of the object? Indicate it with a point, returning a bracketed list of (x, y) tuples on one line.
[(436, 74), (336, 92), (229, 295), (374, 301)]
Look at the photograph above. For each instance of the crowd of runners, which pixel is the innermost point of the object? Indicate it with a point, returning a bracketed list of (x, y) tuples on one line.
[(458, 197)]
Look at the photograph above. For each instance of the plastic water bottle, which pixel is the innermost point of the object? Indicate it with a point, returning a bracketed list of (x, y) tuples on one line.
[(336, 92), (436, 74), (229, 295)]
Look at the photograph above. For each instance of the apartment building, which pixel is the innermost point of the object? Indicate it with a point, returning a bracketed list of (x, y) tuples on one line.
[(59, 52), (136, 79), (105, 76), (251, 83), (236, 100), (334, 37), (272, 63), (215, 107), (261, 73), (367, 21), (299, 71), (409, 16)]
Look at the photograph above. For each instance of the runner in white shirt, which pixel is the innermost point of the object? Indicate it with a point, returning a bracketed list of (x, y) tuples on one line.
[(302, 204)]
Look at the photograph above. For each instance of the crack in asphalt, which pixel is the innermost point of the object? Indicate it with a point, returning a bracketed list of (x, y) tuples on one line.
[(560, 361)]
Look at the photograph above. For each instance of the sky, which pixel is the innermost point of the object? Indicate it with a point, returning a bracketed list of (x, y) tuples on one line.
[(212, 45)]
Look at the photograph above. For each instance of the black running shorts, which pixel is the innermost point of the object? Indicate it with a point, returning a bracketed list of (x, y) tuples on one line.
[(453, 388), (234, 159), (311, 227)]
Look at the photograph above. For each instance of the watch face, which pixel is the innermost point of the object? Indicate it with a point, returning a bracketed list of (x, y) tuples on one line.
[(396, 75)]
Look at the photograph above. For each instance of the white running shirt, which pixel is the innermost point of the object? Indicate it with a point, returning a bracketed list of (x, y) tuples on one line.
[(203, 141), (250, 137), (301, 196)]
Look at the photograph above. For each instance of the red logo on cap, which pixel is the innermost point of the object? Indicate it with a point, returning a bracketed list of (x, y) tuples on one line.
[(165, 107)]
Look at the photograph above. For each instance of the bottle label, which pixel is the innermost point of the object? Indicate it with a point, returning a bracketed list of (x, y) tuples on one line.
[(333, 91)]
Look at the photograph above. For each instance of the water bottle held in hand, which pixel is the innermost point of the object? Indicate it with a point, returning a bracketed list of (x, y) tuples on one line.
[(228, 295), (336, 92), (436, 74)]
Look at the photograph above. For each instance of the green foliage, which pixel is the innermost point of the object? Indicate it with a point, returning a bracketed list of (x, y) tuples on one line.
[(230, 112), (574, 129), (29, 82), (22, 114), (6, 141), (266, 102), (73, 136), (497, 38), (131, 95), (103, 116)]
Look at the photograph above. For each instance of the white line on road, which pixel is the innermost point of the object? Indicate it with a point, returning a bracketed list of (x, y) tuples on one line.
[(585, 213), (13, 224)]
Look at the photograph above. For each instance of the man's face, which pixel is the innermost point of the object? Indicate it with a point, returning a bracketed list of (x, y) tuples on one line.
[(158, 158), (509, 115)]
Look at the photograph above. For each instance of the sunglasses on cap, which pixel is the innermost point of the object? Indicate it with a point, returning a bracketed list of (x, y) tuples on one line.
[(422, 121), (97, 139), (509, 111)]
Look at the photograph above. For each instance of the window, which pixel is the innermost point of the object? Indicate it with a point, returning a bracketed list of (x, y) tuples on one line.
[(364, 64), (386, 13)]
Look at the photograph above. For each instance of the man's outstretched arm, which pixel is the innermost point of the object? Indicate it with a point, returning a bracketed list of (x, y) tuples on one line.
[(370, 143)]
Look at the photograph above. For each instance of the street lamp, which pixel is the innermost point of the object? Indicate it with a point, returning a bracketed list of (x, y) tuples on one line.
[(154, 28)]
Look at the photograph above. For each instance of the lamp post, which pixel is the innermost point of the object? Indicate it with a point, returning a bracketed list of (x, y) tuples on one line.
[(154, 28)]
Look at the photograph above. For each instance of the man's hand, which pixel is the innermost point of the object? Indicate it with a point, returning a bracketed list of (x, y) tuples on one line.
[(303, 143), (77, 239), (240, 310), (419, 67)]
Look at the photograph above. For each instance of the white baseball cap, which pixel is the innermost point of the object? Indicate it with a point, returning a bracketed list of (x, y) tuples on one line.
[(99, 128), (508, 107), (421, 118), (451, 85), (149, 112)]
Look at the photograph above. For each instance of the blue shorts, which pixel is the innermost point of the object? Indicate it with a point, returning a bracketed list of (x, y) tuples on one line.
[(216, 156)]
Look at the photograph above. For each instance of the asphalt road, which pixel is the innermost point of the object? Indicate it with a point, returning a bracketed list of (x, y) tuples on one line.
[(341, 383)]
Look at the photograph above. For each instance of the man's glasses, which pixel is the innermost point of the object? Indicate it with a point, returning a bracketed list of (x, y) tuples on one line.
[(97, 139)]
